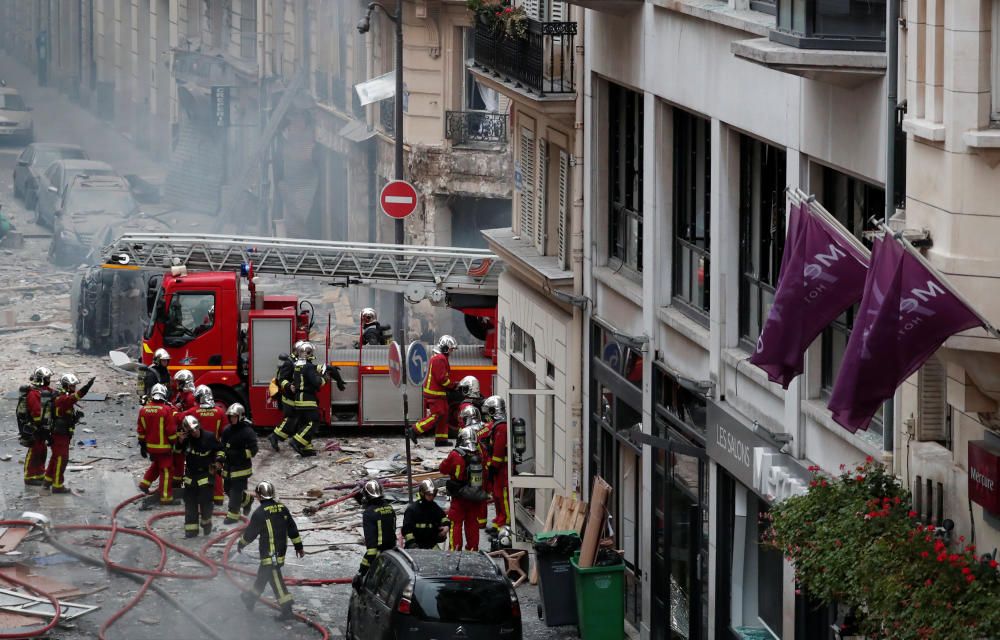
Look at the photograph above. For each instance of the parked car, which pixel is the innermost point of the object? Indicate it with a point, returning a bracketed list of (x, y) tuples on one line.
[(15, 118), (53, 182), (32, 163), (434, 594), (92, 207)]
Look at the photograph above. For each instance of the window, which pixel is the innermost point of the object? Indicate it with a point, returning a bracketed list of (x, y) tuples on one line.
[(462, 601), (692, 171), (190, 315), (762, 232), (625, 115), (766, 6), (852, 25), (248, 30)]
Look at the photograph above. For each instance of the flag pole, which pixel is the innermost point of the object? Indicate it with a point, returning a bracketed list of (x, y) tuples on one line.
[(909, 248), (820, 211)]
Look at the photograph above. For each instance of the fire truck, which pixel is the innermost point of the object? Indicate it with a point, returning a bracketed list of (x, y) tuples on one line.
[(205, 310)]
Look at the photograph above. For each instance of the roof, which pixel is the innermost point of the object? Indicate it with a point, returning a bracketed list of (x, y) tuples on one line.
[(76, 164), (433, 563)]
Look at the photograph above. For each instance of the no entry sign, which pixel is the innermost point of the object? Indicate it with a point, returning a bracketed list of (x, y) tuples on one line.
[(398, 199), (395, 364)]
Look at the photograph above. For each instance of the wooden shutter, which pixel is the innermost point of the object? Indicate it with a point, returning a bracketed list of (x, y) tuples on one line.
[(932, 401), (526, 214), (541, 196), (534, 8), (563, 209), (558, 12)]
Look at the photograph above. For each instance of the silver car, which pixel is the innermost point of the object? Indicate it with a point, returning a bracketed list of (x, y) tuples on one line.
[(52, 184), (15, 117)]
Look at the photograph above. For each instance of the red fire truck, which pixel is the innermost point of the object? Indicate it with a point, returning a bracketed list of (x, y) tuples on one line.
[(208, 315)]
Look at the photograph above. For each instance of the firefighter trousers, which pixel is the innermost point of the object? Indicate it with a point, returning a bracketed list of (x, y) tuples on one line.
[(34, 459), (161, 465), (271, 573), (464, 514), (198, 505), (436, 413), (178, 466), (307, 420), (236, 490), (57, 463), (501, 499), (288, 424)]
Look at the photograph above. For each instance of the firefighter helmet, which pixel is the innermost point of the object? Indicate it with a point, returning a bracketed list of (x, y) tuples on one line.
[(466, 442), (41, 376), (306, 350), (495, 407), (372, 490), (184, 380), (368, 315), (264, 490), (505, 539), (68, 381), (190, 423), (203, 394), (295, 347), (236, 409), (470, 416), (427, 489), (159, 392), (469, 386), (160, 355), (445, 344)]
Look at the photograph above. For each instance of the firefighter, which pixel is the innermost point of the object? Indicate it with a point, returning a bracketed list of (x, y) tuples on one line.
[(436, 387), (239, 446), (424, 521), (304, 386), (496, 462), (283, 377), (38, 401), (157, 433), (274, 524), (65, 415), (155, 374), (470, 417), (372, 333), (464, 469), (183, 401), (378, 523), (212, 419), (202, 450)]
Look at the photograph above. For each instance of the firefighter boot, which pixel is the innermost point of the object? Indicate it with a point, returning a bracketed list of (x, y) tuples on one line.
[(286, 613), (275, 443), (249, 600)]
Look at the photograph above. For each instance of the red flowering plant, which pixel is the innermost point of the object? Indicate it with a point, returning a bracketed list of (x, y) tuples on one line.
[(855, 540), (502, 16)]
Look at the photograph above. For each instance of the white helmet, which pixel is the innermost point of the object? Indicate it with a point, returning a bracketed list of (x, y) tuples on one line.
[(373, 490), (265, 490), (68, 381), (368, 315), (305, 351), (203, 394), (445, 344), (469, 386), (160, 355), (159, 392), (466, 442), (190, 423), (236, 409), (184, 380), (495, 407), (470, 417), (41, 376)]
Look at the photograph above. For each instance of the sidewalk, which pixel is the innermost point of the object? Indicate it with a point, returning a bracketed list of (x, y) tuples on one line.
[(58, 119)]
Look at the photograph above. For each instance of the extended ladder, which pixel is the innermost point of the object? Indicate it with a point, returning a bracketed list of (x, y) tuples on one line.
[(419, 272)]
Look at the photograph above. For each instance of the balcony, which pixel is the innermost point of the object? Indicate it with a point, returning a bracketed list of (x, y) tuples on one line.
[(844, 25), (387, 116), (615, 7), (475, 127), (541, 62)]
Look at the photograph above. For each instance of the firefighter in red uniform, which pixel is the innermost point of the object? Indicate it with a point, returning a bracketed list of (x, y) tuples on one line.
[(496, 461), (464, 470), (157, 434), (64, 418), (212, 419), (436, 387), (39, 401), (183, 402), (470, 417)]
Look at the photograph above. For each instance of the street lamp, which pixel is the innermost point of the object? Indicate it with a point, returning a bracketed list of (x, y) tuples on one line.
[(363, 26)]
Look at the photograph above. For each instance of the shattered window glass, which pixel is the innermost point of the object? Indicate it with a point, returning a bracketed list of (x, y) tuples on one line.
[(190, 315)]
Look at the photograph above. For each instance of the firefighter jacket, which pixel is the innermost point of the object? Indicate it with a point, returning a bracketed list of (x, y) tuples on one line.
[(497, 460), (465, 474), (156, 374), (239, 446), (484, 436), (64, 412), (283, 376), (273, 524), (422, 521), (199, 453), (212, 419), (156, 427), (438, 381), (184, 401), (379, 525), (40, 405), (307, 382), (371, 334)]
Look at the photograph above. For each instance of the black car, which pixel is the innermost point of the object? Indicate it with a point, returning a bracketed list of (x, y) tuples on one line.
[(434, 595), (92, 207), (33, 161)]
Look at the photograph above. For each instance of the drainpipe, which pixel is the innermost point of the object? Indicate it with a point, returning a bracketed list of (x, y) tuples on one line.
[(576, 236), (892, 72)]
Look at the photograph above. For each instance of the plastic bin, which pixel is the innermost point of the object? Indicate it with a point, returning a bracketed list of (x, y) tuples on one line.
[(553, 550), (600, 600)]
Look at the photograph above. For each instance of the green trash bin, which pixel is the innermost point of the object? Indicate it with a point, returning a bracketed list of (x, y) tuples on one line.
[(600, 600)]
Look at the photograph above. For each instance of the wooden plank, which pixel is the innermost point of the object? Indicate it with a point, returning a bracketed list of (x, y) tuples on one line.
[(16, 620), (49, 585), (579, 516), (12, 537), (595, 521)]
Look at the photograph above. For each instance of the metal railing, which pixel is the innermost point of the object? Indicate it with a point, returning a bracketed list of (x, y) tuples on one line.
[(387, 115), (541, 61), (463, 127)]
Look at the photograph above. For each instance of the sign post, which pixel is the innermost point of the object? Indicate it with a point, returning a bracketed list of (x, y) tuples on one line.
[(397, 375), (398, 199)]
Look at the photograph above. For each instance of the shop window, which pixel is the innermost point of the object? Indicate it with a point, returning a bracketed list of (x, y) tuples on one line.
[(692, 212), (625, 142), (678, 407), (762, 233), (756, 596)]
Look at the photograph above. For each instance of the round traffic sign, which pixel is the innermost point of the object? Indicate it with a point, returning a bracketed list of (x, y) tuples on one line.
[(398, 199), (612, 356), (395, 365), (417, 362)]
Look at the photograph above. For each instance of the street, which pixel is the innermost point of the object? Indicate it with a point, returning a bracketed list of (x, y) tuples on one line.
[(36, 330)]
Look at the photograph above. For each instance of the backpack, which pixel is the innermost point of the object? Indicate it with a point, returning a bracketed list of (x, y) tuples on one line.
[(26, 427)]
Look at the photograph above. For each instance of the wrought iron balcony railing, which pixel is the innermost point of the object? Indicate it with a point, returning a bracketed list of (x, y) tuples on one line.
[(464, 127), (540, 61), (387, 115)]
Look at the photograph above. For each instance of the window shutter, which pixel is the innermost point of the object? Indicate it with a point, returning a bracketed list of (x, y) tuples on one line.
[(541, 195), (932, 403), (534, 9), (559, 12), (563, 209), (527, 200)]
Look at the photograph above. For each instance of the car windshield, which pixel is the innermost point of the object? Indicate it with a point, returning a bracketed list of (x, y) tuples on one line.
[(12, 102), (72, 173), (82, 200), (44, 157), (462, 601)]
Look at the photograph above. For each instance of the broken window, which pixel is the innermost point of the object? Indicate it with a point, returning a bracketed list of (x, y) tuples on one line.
[(189, 315)]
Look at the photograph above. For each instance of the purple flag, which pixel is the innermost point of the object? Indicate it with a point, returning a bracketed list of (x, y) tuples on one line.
[(905, 315), (822, 274)]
